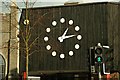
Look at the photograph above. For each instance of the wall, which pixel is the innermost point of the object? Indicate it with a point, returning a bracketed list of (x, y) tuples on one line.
[(8, 33), (93, 22)]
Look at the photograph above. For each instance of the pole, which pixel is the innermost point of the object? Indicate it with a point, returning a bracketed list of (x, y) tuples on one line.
[(108, 76), (8, 60), (99, 73)]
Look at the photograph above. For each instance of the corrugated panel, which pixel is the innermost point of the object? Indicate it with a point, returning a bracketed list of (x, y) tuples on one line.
[(92, 20), (113, 32)]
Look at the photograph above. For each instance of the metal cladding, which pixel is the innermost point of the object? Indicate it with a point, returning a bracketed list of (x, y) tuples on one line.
[(65, 33)]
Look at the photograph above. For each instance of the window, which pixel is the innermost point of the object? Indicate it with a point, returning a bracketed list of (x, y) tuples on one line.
[(2, 67)]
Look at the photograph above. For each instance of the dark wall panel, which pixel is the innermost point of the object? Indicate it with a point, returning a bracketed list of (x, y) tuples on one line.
[(113, 32), (93, 21)]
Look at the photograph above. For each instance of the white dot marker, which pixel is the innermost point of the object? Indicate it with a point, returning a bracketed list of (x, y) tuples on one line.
[(54, 23), (46, 38), (48, 30), (62, 56), (70, 22), (77, 46), (48, 47), (62, 20), (54, 53), (26, 22), (71, 53), (77, 28), (79, 37)]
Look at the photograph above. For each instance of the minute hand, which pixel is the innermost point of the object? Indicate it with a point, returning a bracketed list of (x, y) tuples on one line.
[(69, 36), (64, 33)]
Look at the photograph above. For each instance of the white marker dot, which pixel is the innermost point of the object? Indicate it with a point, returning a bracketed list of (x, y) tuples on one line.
[(26, 22), (77, 46), (48, 47), (70, 22), (79, 37), (71, 53), (54, 53), (54, 23), (48, 30), (46, 38), (77, 28), (62, 56), (62, 20)]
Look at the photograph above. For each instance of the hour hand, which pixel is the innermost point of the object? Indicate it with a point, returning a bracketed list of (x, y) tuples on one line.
[(61, 38)]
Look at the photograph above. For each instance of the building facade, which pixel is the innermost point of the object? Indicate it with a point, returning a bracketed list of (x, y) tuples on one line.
[(9, 44), (85, 25)]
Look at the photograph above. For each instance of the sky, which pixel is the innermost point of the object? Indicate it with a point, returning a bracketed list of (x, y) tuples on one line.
[(60, 0), (65, 0), (4, 4)]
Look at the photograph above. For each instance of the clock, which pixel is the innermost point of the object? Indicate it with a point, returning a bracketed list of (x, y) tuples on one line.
[(62, 37)]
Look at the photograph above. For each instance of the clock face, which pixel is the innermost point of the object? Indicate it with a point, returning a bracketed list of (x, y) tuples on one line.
[(62, 37)]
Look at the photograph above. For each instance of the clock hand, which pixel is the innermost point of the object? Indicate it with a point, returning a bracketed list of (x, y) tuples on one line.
[(69, 36), (64, 33), (63, 36), (60, 39)]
